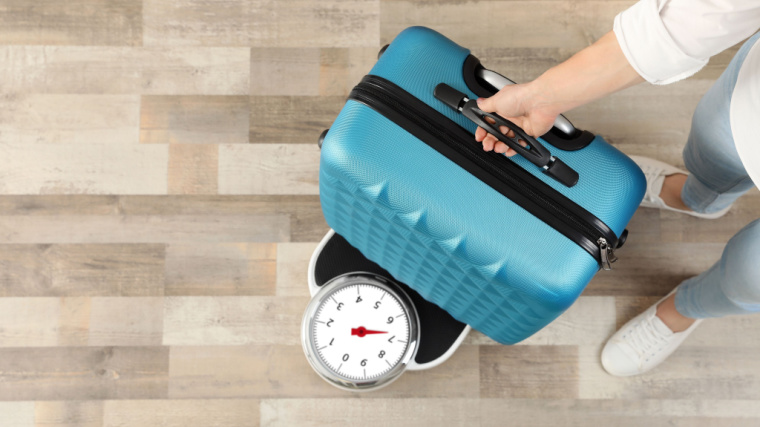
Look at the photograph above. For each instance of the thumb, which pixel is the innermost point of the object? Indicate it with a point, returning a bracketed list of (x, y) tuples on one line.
[(487, 104)]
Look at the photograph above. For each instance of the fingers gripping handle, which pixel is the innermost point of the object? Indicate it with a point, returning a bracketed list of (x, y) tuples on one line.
[(535, 152)]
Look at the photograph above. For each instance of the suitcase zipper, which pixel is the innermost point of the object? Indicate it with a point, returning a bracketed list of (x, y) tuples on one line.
[(459, 145)]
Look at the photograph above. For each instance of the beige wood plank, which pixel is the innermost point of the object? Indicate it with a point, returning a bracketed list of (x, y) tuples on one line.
[(59, 205), (74, 321), (194, 119), (588, 321), (292, 268), (342, 69), (17, 414), (298, 23), (292, 119), (618, 413), (193, 169), (94, 168), (285, 71), (370, 412), (78, 22), (566, 24), (68, 413), (715, 373), (221, 269), (269, 169), (56, 373), (232, 320), (127, 70), (68, 119), (529, 371), (144, 229), (29, 322), (117, 321), (181, 413)]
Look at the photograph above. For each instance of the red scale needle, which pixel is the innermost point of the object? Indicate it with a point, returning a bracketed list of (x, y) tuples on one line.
[(361, 331)]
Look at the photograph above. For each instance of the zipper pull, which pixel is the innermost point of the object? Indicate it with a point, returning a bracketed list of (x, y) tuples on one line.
[(607, 254)]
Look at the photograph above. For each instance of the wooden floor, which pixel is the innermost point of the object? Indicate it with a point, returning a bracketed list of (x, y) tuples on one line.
[(158, 172)]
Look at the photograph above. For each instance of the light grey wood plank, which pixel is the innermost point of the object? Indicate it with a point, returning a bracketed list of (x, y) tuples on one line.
[(69, 119), (74, 321), (58, 205), (292, 268), (17, 414), (181, 413), (342, 68), (57, 373), (29, 322), (193, 169), (116, 321), (194, 119), (144, 229), (78, 22), (529, 371), (232, 320), (692, 372), (298, 23), (292, 119), (125, 70), (90, 168), (221, 269), (285, 71), (81, 413), (370, 412), (619, 413), (588, 321), (572, 25), (269, 169)]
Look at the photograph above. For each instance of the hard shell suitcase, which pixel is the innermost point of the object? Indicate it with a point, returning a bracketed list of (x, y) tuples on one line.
[(503, 244)]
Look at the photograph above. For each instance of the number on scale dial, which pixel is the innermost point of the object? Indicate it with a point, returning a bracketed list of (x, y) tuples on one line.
[(361, 331)]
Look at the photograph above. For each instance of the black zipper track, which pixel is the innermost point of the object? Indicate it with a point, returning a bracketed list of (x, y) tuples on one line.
[(506, 177)]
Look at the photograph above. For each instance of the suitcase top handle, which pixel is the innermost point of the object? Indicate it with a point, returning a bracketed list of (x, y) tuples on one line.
[(534, 151)]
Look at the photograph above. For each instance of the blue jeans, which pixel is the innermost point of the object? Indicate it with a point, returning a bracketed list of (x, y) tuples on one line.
[(717, 178)]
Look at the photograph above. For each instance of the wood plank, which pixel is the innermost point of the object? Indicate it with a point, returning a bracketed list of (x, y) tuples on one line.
[(78, 22), (125, 70), (342, 68), (370, 412), (299, 23), (94, 168), (117, 321), (17, 414), (692, 372), (181, 413), (74, 321), (193, 169), (292, 268), (81, 413), (269, 169), (194, 119), (144, 229), (29, 322), (285, 71), (57, 373), (292, 119), (58, 205), (69, 119), (232, 320), (529, 372), (619, 413), (221, 269)]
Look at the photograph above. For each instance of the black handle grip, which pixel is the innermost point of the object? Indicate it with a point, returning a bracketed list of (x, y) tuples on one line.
[(535, 152)]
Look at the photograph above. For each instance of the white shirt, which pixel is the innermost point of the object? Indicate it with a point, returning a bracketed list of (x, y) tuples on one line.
[(669, 40)]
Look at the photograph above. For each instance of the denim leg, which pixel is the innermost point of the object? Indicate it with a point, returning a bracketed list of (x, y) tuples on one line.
[(717, 177), (731, 286)]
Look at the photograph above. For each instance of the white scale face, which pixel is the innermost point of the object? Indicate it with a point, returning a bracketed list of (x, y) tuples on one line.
[(360, 333)]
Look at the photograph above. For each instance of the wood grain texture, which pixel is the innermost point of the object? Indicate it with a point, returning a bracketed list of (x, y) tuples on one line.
[(81, 413), (181, 413), (269, 169), (193, 169), (194, 119), (285, 71), (17, 414), (292, 268), (136, 321), (522, 372), (292, 119), (74, 321), (29, 322), (298, 23), (78, 22)]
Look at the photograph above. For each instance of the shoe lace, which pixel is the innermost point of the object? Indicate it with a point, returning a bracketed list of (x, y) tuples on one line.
[(645, 336)]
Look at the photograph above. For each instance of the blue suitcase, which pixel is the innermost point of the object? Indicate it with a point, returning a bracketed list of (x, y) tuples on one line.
[(503, 244)]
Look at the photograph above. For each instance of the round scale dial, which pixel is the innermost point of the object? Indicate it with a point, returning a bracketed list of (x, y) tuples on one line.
[(360, 331)]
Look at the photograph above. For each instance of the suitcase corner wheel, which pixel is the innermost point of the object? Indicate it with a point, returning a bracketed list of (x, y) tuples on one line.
[(362, 329)]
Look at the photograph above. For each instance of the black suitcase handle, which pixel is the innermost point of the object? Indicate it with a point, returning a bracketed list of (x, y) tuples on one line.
[(535, 152)]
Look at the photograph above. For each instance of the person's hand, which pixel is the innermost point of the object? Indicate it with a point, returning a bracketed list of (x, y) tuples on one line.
[(516, 104)]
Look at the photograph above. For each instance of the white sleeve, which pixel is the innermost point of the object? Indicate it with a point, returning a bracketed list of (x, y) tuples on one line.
[(669, 40)]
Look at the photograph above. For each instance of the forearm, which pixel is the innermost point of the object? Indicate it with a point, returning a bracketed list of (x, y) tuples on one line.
[(590, 74)]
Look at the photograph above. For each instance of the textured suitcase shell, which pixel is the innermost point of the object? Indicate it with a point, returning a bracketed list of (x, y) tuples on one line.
[(434, 226)]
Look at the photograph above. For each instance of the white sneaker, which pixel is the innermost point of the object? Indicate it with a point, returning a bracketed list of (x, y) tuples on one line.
[(655, 172), (642, 343)]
